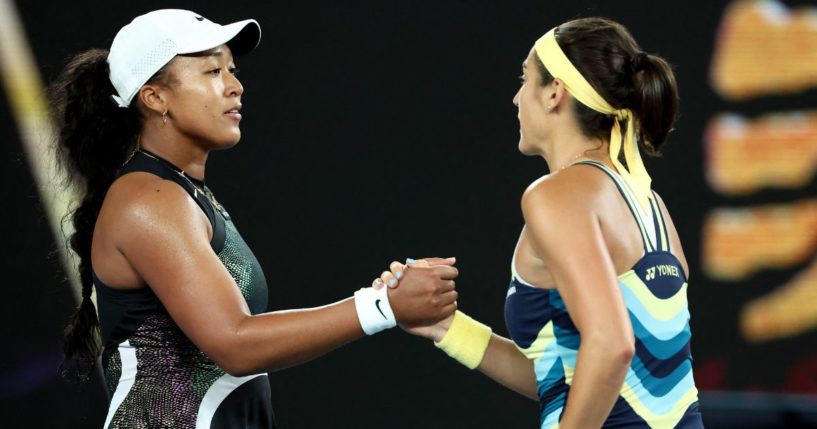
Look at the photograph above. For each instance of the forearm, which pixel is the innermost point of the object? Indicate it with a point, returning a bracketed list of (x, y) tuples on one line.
[(597, 380), (506, 365), (276, 340), (495, 356), (241, 343)]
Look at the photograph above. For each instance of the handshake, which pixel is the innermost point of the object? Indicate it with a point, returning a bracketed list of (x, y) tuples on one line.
[(419, 295)]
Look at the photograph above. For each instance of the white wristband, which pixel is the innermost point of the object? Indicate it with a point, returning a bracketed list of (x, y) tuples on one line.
[(373, 310)]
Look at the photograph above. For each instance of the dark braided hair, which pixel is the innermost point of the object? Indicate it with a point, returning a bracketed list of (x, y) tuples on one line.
[(94, 137), (606, 54)]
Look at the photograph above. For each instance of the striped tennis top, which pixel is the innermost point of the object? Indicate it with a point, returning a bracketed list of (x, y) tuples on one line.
[(658, 391)]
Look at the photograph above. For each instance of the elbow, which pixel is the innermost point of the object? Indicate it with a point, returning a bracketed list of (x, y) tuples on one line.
[(242, 361), (625, 352), (621, 359), (233, 363), (234, 358), (622, 348), (617, 350), (236, 367), (242, 367), (622, 351)]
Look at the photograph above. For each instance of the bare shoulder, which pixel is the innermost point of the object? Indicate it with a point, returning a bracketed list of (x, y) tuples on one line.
[(578, 188), (144, 203)]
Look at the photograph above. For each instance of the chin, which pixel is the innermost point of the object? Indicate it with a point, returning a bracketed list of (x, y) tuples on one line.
[(230, 144), (225, 143), (525, 149), (232, 139)]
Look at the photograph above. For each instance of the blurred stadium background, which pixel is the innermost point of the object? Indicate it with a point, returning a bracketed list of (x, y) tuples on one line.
[(379, 130)]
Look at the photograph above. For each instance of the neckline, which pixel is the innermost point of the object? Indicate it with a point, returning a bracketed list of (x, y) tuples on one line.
[(199, 183), (199, 186)]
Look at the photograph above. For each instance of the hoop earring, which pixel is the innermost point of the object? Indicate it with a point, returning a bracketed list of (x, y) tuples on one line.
[(164, 118)]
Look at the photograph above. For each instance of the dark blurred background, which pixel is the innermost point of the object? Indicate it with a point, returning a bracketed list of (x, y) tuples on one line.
[(374, 131)]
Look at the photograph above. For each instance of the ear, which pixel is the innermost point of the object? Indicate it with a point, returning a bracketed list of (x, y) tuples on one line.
[(556, 95), (154, 98)]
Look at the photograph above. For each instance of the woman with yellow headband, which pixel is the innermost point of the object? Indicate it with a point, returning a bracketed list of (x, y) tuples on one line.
[(596, 307)]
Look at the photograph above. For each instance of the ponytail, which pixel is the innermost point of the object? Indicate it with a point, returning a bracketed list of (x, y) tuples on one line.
[(94, 138), (609, 58), (655, 100)]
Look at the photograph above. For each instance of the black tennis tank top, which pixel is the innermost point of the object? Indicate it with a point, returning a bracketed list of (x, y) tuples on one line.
[(156, 377)]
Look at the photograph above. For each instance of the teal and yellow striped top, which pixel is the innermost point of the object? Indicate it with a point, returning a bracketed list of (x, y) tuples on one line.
[(659, 391)]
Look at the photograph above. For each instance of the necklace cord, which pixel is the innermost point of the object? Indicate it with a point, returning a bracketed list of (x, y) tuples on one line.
[(202, 187)]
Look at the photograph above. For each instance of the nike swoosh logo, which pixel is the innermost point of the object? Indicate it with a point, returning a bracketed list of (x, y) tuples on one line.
[(377, 304), (200, 18)]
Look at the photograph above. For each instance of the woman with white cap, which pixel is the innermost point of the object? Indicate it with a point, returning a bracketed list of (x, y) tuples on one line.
[(596, 307), (185, 340)]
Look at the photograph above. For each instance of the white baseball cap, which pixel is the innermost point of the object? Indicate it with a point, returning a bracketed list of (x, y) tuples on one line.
[(151, 40)]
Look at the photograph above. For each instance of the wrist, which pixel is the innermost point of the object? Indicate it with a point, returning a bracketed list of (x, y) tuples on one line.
[(439, 330), (373, 310), (466, 340)]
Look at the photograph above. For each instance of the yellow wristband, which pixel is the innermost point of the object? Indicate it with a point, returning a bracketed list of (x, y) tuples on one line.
[(466, 340)]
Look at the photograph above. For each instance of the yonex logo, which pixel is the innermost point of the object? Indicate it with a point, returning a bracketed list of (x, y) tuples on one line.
[(662, 270)]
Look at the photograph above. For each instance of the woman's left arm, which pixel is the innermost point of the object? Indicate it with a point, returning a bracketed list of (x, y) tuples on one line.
[(561, 215)]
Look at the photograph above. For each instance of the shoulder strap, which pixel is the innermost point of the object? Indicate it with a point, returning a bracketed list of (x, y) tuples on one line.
[(628, 199), (144, 163), (662, 234)]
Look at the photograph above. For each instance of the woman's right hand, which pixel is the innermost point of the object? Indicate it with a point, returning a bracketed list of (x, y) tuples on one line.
[(434, 332), (393, 278)]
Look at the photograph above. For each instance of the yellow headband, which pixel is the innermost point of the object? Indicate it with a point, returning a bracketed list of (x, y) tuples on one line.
[(557, 63)]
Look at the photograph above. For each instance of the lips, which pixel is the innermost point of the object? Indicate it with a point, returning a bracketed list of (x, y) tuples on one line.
[(234, 113)]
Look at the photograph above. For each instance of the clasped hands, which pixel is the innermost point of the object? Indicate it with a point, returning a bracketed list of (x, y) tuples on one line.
[(422, 294)]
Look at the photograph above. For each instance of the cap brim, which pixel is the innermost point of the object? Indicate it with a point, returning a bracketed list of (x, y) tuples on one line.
[(242, 37), (246, 37)]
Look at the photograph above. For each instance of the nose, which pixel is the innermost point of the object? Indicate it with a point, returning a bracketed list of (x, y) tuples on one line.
[(233, 86), (516, 97)]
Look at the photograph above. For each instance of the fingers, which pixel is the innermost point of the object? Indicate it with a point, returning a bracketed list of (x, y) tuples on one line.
[(397, 269), (378, 284), (445, 272), (388, 278), (450, 308), (449, 297), (421, 263), (442, 267), (440, 261), (447, 286)]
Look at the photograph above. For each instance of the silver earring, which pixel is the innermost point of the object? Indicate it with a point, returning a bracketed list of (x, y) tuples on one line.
[(164, 118)]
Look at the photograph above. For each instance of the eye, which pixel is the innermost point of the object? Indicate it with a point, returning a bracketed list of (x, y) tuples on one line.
[(234, 71), (215, 72)]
